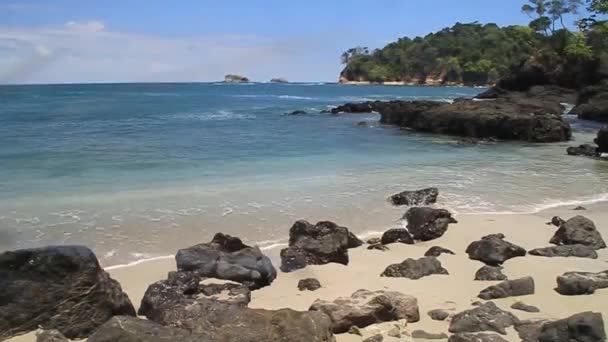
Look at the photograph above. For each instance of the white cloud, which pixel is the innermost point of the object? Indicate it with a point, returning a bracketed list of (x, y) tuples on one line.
[(92, 25)]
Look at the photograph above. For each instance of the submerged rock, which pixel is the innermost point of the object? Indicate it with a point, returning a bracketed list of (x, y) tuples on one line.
[(585, 150), (394, 235), (415, 269), (57, 287), (319, 244), (418, 197), (490, 273), (476, 338), (509, 288), (297, 112), (310, 284), (436, 251), (227, 257), (364, 308), (581, 283), (585, 326), (579, 251), (485, 317), (578, 230), (427, 223), (493, 250)]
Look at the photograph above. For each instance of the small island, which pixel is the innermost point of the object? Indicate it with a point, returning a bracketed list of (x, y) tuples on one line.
[(279, 80), (233, 78)]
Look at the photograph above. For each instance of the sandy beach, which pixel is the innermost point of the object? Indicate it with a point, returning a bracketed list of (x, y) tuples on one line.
[(454, 292)]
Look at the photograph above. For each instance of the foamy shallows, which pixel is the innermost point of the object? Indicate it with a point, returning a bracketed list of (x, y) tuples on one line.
[(137, 171)]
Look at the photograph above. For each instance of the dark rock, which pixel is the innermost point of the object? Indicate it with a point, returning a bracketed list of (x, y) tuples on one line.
[(231, 78), (490, 273), (227, 257), (297, 112), (50, 336), (374, 241), (427, 223), (493, 250), (438, 315), (437, 251), (397, 235), (579, 208), (415, 269), (428, 336), (364, 308), (593, 103), (319, 244), (529, 330), (353, 108), (602, 140), (278, 80), (374, 338), (579, 251), (310, 284), (509, 288), (585, 150), (354, 330), (485, 317), (524, 307), (476, 338), (585, 326), (581, 283), (557, 221), (578, 230), (418, 197), (131, 329), (379, 247), (57, 287)]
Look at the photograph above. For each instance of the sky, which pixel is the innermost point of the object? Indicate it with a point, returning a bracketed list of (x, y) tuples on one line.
[(73, 41)]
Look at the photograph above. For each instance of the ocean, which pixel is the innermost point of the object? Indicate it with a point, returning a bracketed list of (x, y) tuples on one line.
[(136, 171)]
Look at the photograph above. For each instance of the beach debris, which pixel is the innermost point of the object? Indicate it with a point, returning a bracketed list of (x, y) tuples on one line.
[(585, 326), (524, 307), (51, 335), (482, 337), (309, 284), (485, 317), (428, 336), (578, 251), (490, 273), (438, 315), (227, 257), (57, 287), (581, 283), (578, 230), (417, 197), (319, 244), (364, 308), (415, 269), (509, 288), (427, 224), (394, 235), (493, 250), (436, 251)]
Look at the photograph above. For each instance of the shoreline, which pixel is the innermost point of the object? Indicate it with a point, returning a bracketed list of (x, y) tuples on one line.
[(414, 84)]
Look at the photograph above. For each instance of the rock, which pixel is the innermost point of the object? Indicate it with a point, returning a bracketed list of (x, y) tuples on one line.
[(278, 80), (579, 208), (493, 250), (362, 124), (585, 326), (131, 329), (524, 307), (585, 150), (374, 338), (379, 247), (364, 308), (529, 330), (418, 197), (57, 287), (485, 317), (415, 269), (578, 230), (427, 223), (50, 336), (394, 332), (602, 140), (310, 284), (579, 251), (557, 221), (354, 330), (436, 251), (509, 288), (297, 112), (476, 338), (438, 315), (490, 273), (397, 235), (593, 103), (352, 108), (374, 241), (581, 283), (227, 257), (428, 336), (185, 289), (231, 78), (319, 244)]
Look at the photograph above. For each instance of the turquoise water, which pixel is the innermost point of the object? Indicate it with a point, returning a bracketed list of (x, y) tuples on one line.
[(139, 170)]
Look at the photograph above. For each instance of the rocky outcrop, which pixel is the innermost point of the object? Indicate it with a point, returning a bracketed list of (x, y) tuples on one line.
[(436, 251), (364, 107), (415, 269), (131, 329), (227, 257), (602, 140), (309, 284), (524, 307), (493, 250), (578, 230), (364, 308), (509, 288), (476, 338), (592, 103), (581, 283), (417, 197), (529, 330), (490, 273), (319, 244), (485, 317), (57, 287), (395, 235), (427, 224), (279, 80), (584, 150), (579, 251), (232, 78), (585, 326)]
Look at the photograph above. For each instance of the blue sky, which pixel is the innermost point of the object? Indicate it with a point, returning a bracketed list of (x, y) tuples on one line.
[(201, 40)]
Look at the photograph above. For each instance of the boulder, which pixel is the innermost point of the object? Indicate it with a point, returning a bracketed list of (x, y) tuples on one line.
[(438, 315), (602, 140), (427, 223), (131, 329), (57, 287), (585, 326), (476, 338), (436, 251), (529, 330), (524, 307), (509, 288), (417, 197), (578, 230), (490, 273), (593, 103), (581, 283), (364, 308), (309, 284), (394, 235), (319, 244), (415, 269), (579, 251), (421, 334), (232, 78), (228, 258), (584, 150), (50, 336), (485, 317), (493, 250)]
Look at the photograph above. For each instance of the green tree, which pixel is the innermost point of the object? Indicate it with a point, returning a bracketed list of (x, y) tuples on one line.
[(542, 24), (577, 46)]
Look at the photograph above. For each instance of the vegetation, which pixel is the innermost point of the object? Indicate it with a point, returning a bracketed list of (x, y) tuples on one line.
[(478, 54)]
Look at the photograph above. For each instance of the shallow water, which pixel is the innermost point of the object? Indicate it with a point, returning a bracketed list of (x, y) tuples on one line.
[(139, 170)]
